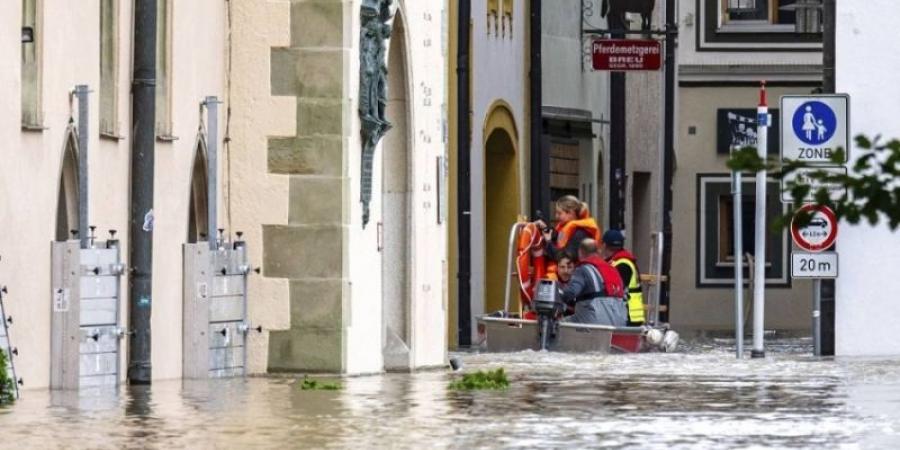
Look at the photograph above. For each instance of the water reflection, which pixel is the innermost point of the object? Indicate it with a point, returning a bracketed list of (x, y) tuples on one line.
[(698, 398)]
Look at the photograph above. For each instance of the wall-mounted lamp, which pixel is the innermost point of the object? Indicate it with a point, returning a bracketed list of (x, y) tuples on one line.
[(27, 35)]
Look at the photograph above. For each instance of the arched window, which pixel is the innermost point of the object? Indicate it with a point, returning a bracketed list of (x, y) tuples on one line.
[(67, 201), (199, 201)]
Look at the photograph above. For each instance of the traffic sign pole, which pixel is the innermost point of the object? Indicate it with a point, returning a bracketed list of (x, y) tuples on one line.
[(817, 317), (738, 265), (759, 255)]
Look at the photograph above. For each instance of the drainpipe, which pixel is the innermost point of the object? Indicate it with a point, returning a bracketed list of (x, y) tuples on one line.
[(464, 187), (143, 127), (828, 87), (540, 157), (669, 150)]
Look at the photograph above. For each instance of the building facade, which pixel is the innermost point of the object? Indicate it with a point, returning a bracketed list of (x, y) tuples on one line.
[(725, 49), (341, 294), (867, 279), (332, 293)]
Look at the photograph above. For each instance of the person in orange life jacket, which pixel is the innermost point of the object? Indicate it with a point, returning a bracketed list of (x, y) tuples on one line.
[(613, 252), (595, 290), (574, 225), (564, 269)]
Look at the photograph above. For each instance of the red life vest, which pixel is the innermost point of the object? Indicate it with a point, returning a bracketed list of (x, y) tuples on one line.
[(612, 281)]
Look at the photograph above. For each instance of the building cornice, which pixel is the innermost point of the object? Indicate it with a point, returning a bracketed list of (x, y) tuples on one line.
[(739, 73)]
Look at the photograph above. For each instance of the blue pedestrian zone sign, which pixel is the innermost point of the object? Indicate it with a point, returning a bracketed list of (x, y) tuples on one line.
[(814, 123), (819, 125)]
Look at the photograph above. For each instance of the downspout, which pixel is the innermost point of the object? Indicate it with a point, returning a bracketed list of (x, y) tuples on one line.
[(143, 127), (669, 151), (828, 87), (540, 157), (464, 185)]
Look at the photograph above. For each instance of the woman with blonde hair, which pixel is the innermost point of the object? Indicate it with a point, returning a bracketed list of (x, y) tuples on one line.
[(573, 225)]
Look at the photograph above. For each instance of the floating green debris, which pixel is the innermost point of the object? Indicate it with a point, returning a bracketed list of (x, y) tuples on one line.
[(318, 385), (492, 379), (7, 386)]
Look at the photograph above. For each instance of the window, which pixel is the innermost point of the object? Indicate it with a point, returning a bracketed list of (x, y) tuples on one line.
[(493, 17), (67, 197), (109, 62), (715, 232), (164, 70), (198, 208), (507, 18), (739, 25), (32, 117), (769, 12)]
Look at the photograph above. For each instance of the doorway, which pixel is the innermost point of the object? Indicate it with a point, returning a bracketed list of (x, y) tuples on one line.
[(68, 196), (396, 193)]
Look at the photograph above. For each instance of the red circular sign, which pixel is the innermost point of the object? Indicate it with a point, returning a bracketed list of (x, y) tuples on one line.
[(819, 233)]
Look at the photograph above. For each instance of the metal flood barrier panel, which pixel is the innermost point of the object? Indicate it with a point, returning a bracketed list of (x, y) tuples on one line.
[(86, 333), (215, 325), (5, 344)]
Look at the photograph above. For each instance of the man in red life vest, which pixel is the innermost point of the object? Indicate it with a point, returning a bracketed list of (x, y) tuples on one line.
[(596, 290), (626, 264)]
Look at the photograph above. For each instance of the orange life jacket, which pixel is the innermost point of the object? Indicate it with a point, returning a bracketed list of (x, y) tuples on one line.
[(565, 231)]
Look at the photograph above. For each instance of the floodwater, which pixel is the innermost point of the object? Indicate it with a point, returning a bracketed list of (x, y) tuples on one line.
[(700, 397)]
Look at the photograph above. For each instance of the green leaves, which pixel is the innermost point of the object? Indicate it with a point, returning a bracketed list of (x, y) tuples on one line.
[(7, 384), (872, 189), (309, 384), (494, 379)]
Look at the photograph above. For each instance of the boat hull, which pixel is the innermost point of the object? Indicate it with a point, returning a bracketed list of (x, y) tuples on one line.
[(512, 335)]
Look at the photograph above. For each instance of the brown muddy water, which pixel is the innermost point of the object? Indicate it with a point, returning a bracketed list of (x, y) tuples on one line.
[(700, 397)]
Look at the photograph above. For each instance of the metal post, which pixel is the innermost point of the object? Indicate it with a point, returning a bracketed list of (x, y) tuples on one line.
[(759, 299), (81, 92), (464, 186), (540, 156), (669, 150), (826, 336), (142, 161), (738, 264), (817, 317), (212, 167)]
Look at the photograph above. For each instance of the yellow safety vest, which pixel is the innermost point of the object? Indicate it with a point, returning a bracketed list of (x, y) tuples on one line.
[(635, 295)]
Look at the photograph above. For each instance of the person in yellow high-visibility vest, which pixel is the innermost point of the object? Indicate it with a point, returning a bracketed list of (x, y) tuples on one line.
[(626, 264)]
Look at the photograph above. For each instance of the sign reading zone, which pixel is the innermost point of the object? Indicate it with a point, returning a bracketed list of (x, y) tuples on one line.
[(814, 127)]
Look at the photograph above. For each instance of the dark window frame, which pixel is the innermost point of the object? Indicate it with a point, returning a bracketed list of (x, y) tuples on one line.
[(711, 273), (709, 34)]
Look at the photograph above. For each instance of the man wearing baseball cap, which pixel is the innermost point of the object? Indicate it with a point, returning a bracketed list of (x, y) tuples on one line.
[(626, 264)]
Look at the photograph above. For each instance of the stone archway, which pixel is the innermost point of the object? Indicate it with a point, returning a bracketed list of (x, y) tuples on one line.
[(397, 213), (502, 202), (198, 218), (68, 196)]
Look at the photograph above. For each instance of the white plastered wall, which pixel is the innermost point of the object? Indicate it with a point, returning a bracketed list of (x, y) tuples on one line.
[(69, 40), (866, 298), (425, 78), (499, 73)]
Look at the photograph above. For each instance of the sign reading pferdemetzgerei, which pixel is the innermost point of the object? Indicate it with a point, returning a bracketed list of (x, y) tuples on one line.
[(626, 54), (814, 265), (814, 127)]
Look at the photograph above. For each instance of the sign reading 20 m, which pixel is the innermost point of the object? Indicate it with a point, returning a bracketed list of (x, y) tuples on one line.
[(814, 127)]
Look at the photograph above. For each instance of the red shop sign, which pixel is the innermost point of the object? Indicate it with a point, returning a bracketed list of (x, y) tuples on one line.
[(626, 54)]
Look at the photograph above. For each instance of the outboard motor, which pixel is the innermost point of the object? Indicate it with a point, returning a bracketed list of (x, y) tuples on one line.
[(547, 305)]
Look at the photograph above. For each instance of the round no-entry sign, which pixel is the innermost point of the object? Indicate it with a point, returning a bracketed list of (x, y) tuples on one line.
[(819, 233)]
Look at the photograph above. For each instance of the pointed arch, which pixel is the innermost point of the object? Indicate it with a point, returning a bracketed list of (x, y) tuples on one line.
[(397, 200), (68, 193), (198, 206)]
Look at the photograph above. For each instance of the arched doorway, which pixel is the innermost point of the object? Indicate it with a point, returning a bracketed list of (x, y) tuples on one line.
[(199, 199), (502, 199), (396, 193), (67, 200)]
